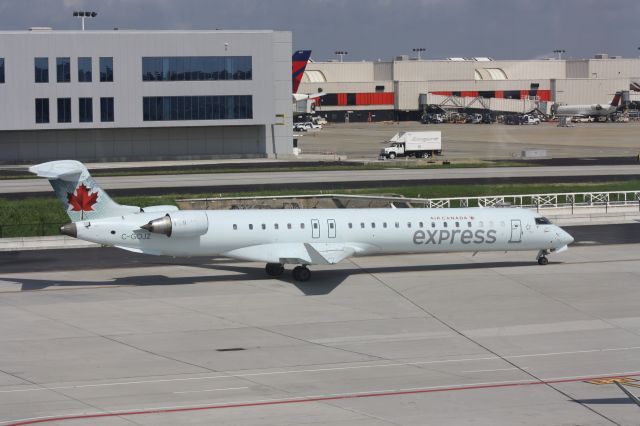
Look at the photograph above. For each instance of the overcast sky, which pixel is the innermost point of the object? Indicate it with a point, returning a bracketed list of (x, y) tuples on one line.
[(372, 29)]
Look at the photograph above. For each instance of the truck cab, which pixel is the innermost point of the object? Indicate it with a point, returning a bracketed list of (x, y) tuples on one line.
[(394, 150)]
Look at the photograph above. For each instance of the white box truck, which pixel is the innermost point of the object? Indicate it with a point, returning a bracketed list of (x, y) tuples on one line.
[(414, 144)]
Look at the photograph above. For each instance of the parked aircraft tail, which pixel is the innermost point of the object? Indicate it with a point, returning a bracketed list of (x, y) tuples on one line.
[(299, 63), (79, 194), (616, 99)]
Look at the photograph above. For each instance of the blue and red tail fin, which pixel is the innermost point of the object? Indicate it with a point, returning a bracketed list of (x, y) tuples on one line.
[(299, 63), (616, 99)]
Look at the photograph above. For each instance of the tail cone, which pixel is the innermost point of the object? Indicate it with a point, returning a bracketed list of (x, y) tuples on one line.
[(69, 229)]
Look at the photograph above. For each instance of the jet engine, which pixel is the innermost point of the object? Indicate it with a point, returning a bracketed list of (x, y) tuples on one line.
[(180, 224)]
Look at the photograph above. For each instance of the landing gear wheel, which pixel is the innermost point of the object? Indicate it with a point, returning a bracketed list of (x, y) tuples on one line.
[(542, 260), (301, 273), (274, 269)]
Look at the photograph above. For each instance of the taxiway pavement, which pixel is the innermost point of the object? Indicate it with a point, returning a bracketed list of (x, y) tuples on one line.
[(493, 339)]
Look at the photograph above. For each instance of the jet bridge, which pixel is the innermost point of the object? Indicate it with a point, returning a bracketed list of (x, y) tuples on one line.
[(455, 103)]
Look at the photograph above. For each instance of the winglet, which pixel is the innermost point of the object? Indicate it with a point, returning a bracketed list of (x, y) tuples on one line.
[(631, 396)]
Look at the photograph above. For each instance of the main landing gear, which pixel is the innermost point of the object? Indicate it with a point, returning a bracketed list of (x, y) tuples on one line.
[(300, 273), (274, 269), (542, 257)]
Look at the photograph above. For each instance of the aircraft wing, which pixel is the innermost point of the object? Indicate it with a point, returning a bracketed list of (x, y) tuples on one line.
[(294, 253)]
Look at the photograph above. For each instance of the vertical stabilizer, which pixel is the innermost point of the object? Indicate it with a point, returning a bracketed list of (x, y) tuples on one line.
[(79, 194), (299, 63), (616, 99)]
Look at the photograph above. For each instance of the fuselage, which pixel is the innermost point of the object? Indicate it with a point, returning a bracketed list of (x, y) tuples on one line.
[(585, 110), (367, 231)]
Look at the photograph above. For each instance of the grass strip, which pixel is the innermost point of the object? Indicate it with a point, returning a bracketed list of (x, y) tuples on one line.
[(42, 216)]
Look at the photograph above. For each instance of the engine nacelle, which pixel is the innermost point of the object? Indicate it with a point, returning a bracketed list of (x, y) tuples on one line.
[(180, 224)]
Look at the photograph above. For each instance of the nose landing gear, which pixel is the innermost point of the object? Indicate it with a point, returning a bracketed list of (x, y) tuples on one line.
[(542, 257)]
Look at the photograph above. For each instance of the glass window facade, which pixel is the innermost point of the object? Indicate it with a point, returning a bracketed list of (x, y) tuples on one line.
[(196, 68), (42, 110), (84, 70), (106, 69), (41, 66), (63, 70), (85, 107), (64, 110), (106, 109), (170, 108), (1, 70)]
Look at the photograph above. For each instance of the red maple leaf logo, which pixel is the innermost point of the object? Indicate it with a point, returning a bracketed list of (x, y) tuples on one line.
[(82, 200)]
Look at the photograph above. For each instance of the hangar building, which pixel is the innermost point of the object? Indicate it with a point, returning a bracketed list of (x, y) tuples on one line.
[(402, 88), (144, 95)]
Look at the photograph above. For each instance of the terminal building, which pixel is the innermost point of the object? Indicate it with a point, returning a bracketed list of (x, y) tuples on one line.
[(144, 95), (403, 88)]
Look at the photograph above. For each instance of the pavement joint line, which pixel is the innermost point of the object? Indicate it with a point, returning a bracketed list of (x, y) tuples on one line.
[(313, 398), (212, 390), (316, 370), (495, 369)]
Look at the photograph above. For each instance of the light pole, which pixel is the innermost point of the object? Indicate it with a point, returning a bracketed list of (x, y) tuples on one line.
[(83, 15), (341, 53), (559, 52), (419, 50)]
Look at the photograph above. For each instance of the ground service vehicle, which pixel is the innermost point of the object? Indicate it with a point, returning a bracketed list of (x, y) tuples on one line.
[(414, 144), (530, 119)]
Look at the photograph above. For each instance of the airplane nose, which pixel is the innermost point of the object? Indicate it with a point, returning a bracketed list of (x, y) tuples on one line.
[(69, 229), (566, 238)]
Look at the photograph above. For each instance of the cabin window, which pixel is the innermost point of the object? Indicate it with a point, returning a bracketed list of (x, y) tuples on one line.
[(350, 225), (362, 225), (315, 225), (468, 224), (457, 224), (408, 224), (433, 224), (250, 226), (446, 224), (275, 226), (301, 225), (384, 224), (373, 225), (288, 226), (331, 225), (421, 225), (264, 226), (542, 221), (235, 227), (397, 224)]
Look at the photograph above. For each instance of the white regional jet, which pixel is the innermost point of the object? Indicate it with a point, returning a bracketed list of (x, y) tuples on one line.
[(298, 237), (594, 110)]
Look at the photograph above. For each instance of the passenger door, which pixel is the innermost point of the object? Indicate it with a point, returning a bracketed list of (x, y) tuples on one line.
[(315, 228), (516, 231), (331, 228)]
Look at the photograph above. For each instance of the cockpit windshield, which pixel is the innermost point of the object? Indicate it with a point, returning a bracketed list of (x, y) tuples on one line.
[(542, 221)]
